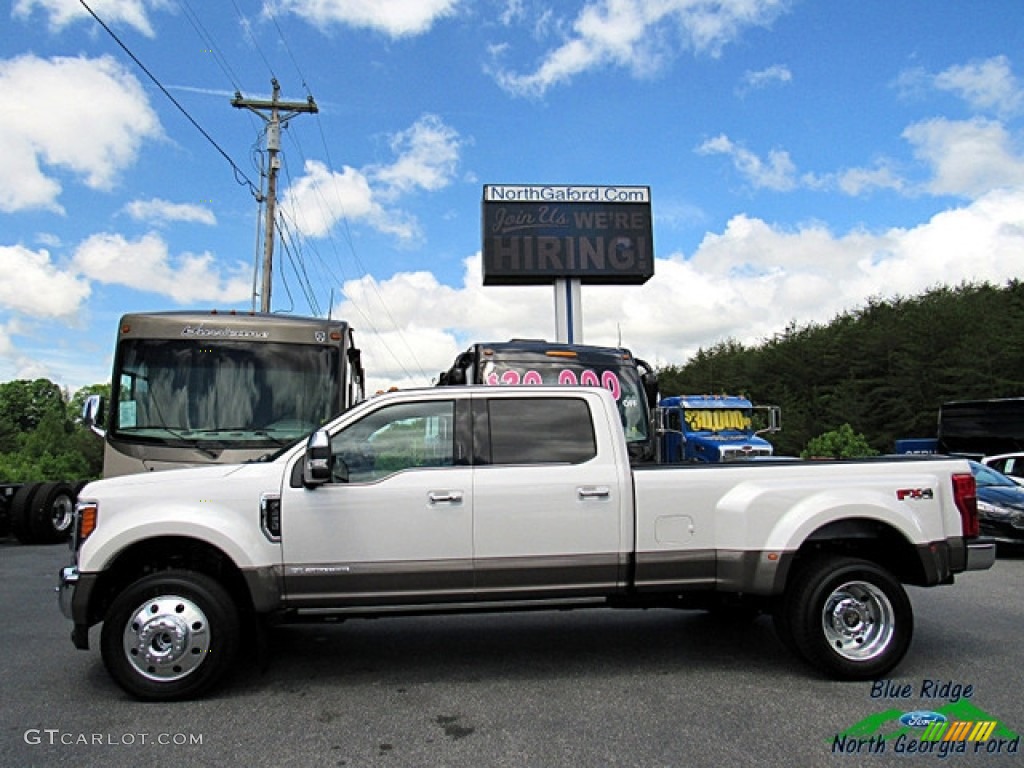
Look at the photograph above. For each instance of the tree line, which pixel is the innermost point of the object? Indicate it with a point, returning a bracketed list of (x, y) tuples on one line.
[(883, 369)]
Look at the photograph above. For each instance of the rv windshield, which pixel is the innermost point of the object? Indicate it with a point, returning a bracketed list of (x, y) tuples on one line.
[(225, 392)]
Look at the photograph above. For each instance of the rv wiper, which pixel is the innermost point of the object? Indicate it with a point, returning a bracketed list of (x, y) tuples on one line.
[(186, 438), (247, 431)]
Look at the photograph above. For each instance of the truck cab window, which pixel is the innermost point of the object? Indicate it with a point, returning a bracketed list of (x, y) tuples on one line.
[(554, 431), (393, 439)]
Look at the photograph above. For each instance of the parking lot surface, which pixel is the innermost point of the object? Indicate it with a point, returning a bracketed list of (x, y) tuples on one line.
[(583, 688)]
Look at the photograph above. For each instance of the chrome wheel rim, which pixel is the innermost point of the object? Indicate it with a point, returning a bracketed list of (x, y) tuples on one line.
[(858, 621), (166, 638), (62, 512)]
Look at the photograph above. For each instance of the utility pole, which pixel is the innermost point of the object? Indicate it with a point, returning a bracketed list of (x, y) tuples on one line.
[(280, 112)]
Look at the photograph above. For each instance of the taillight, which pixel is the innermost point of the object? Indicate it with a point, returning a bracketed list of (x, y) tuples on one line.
[(965, 496)]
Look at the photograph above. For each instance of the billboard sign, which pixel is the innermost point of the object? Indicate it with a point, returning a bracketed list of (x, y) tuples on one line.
[(536, 234)]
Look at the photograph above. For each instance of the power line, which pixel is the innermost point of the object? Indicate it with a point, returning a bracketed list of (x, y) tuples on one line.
[(325, 207), (289, 238), (288, 49), (239, 173), (252, 39), (207, 38)]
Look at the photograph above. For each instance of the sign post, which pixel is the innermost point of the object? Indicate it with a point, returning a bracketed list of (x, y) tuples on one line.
[(568, 311)]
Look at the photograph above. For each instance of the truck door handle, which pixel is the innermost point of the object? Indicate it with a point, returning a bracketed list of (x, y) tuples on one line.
[(445, 497), (593, 492)]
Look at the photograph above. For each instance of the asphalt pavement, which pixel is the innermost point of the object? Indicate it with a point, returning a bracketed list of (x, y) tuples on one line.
[(584, 688)]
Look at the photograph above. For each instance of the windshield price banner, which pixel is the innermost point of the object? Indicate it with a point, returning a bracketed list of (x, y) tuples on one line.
[(566, 377), (533, 235)]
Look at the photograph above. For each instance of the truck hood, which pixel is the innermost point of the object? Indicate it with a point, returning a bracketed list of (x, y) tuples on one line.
[(182, 477)]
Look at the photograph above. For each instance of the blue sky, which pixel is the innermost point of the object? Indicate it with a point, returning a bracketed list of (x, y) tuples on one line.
[(802, 157)]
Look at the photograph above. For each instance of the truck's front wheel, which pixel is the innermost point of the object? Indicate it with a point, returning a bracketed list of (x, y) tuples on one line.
[(170, 635), (849, 617)]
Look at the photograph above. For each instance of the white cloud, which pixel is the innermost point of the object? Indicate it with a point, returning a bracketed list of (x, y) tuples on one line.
[(987, 86), (86, 116), (427, 157), (36, 287), (635, 34), (159, 211), (777, 172), (7, 350), (394, 18), (411, 327), (513, 11), (857, 181), (61, 13), (146, 265), (322, 197), (966, 158), (428, 154), (748, 282), (765, 77)]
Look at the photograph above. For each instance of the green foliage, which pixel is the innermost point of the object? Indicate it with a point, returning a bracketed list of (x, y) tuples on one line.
[(885, 368), (40, 439), (842, 443), (23, 403)]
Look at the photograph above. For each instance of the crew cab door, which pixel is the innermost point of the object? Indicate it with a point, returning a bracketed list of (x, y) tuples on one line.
[(394, 524), (551, 510)]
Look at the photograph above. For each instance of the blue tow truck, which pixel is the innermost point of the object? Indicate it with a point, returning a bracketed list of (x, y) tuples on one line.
[(714, 428)]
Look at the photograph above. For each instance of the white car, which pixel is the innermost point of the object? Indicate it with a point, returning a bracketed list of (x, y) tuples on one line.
[(1010, 464)]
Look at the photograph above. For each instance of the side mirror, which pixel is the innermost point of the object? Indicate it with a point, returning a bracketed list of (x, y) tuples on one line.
[(771, 416), (649, 381), (316, 466), (92, 414)]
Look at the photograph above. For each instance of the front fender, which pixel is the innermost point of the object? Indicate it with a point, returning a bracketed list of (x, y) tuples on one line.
[(236, 534)]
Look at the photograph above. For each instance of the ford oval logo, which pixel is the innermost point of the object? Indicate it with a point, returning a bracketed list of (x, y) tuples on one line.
[(921, 718)]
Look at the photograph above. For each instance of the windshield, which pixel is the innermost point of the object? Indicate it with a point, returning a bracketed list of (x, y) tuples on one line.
[(223, 392), (988, 478), (623, 382)]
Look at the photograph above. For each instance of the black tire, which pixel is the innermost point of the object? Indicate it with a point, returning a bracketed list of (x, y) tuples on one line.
[(5, 516), (848, 617), (52, 513), (783, 630), (170, 636), (21, 510)]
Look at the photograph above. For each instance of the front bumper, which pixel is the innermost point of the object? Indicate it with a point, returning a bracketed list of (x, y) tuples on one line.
[(73, 592), (66, 583), (981, 554)]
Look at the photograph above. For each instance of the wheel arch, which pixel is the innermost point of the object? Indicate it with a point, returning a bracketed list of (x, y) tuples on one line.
[(868, 539), (166, 553)]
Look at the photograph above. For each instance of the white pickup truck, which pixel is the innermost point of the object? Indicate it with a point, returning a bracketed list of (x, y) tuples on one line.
[(487, 498)]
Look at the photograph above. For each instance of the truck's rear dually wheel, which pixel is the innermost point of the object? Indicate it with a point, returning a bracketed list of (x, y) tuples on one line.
[(170, 635), (849, 617)]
